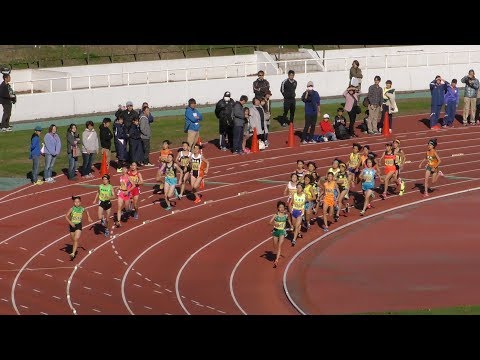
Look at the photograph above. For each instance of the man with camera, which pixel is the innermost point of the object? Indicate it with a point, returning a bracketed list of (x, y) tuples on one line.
[(7, 98), (470, 99)]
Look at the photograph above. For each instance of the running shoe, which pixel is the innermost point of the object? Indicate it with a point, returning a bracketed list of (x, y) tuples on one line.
[(119, 170), (362, 212), (325, 228), (294, 242), (197, 200), (175, 191), (135, 215), (168, 208), (102, 222), (106, 233), (425, 194), (402, 188)]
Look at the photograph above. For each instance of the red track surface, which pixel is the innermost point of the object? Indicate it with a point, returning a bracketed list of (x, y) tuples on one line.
[(202, 259)]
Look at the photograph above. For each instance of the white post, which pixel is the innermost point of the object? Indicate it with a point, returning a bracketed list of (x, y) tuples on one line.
[(427, 59), (206, 73), (108, 80), (167, 75), (147, 78), (305, 66), (70, 82), (31, 87), (51, 85), (89, 82), (386, 61), (186, 74)]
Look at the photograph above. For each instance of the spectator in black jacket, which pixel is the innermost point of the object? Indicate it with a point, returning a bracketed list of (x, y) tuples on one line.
[(135, 142), (121, 140), (106, 138), (287, 89), (223, 112), (261, 85), (128, 115), (7, 98)]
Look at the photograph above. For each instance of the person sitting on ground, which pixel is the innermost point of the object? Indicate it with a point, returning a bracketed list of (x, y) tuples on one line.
[(327, 131), (340, 125)]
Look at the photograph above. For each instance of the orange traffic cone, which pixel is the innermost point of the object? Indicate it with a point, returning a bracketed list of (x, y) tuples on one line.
[(386, 125), (291, 136), (103, 167), (254, 147)]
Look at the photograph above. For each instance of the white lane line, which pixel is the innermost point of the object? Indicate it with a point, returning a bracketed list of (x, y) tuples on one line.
[(139, 274), (221, 312), (60, 260), (108, 294), (137, 285), (11, 263), (216, 172), (4, 300), (87, 288), (43, 313), (158, 292), (125, 263), (211, 308), (76, 304), (97, 272), (157, 285), (48, 275), (96, 310), (198, 304), (37, 291), (23, 306), (244, 165), (117, 279), (23, 248), (19, 284), (116, 252), (57, 297), (147, 307), (168, 290), (148, 279), (41, 254), (231, 168)]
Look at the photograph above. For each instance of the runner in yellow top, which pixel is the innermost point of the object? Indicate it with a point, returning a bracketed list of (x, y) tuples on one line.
[(297, 204), (343, 188), (279, 221), (329, 188), (74, 218), (105, 194), (399, 162), (311, 194), (353, 165), (433, 162)]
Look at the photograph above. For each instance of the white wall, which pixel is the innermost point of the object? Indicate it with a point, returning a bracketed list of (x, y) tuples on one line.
[(330, 83)]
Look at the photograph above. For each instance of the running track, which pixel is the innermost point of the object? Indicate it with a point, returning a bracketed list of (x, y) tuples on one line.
[(209, 258)]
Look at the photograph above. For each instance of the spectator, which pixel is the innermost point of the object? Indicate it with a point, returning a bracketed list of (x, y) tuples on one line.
[(223, 112), (356, 76), (73, 151), (452, 97), (53, 145), (257, 119), (261, 86), (246, 129), (238, 124), (192, 123), (7, 98), (327, 131), (106, 136), (265, 104), (470, 98), (150, 116), (145, 134), (340, 125), (352, 107), (121, 139), (288, 87), (389, 105), (375, 99), (89, 148), (35, 154), (311, 98), (438, 88), (128, 115), (135, 142)]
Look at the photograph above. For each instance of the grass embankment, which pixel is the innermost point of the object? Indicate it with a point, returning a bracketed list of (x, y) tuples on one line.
[(14, 146)]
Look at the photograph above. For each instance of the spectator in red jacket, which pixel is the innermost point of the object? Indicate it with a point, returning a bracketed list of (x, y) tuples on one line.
[(327, 131)]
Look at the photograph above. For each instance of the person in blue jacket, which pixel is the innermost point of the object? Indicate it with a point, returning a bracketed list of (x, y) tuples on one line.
[(192, 123), (35, 154), (452, 96), (438, 88)]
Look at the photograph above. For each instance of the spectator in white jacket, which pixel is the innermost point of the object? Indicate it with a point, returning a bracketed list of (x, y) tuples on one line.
[(89, 148), (257, 119)]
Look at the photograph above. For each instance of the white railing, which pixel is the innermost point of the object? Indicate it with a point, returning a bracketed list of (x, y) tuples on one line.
[(67, 83)]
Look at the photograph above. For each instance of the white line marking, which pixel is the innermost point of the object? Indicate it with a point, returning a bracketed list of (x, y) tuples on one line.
[(76, 304), (211, 308), (121, 259), (43, 313), (168, 290), (23, 248), (60, 260), (11, 263), (231, 168), (19, 284), (221, 312), (198, 304), (108, 294), (42, 254), (96, 310), (117, 279), (157, 285), (125, 263), (139, 274), (116, 252), (159, 292), (137, 285), (244, 165), (4, 300), (56, 297), (147, 307), (37, 291), (168, 314), (23, 306), (148, 279), (285, 287), (97, 272), (216, 172), (87, 288), (48, 275)]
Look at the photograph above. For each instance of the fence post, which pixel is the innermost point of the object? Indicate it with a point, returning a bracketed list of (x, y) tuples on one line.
[(186, 74), (51, 85), (167, 74), (226, 72), (206, 73), (31, 87), (70, 83), (386, 61), (305, 66)]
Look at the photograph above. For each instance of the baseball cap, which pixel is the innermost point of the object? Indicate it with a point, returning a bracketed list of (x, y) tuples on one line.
[(129, 103), (38, 128), (310, 83), (326, 116), (227, 94)]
